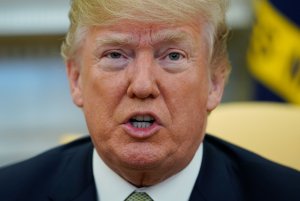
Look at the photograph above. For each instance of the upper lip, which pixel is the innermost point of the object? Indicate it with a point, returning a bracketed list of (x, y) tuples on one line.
[(133, 114)]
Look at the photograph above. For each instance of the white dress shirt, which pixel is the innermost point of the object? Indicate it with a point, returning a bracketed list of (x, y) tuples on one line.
[(110, 186)]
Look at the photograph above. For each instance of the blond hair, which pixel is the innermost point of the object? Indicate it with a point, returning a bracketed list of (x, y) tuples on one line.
[(87, 13)]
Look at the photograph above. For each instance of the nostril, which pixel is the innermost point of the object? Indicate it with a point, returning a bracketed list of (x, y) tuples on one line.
[(143, 88)]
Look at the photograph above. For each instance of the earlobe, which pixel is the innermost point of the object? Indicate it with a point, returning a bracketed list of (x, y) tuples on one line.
[(217, 85), (74, 77)]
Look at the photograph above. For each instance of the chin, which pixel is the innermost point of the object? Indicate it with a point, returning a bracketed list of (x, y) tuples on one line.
[(142, 157)]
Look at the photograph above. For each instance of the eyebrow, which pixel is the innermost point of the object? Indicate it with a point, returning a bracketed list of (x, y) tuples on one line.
[(165, 36), (117, 40)]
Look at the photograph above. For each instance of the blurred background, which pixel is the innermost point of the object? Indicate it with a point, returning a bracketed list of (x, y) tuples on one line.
[(36, 109)]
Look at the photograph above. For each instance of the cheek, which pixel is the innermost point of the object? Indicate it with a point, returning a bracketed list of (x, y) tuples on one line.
[(101, 94), (187, 101), (103, 90), (188, 94)]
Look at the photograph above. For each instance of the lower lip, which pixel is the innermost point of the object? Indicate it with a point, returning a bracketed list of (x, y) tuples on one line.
[(141, 133)]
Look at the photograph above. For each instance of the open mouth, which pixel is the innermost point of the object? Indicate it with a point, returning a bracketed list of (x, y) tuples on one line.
[(142, 126), (142, 121)]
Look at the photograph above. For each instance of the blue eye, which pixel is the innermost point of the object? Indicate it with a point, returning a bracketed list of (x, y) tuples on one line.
[(174, 56), (114, 55)]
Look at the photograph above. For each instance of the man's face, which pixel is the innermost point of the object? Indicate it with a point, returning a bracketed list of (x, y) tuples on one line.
[(146, 92)]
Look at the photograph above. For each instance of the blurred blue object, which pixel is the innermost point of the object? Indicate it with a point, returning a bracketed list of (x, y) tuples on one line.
[(290, 8)]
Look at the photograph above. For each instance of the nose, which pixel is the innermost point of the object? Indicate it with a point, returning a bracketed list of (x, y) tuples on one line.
[(142, 79)]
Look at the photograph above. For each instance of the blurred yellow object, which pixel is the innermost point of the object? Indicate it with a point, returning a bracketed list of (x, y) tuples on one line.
[(269, 129), (274, 53), (66, 138)]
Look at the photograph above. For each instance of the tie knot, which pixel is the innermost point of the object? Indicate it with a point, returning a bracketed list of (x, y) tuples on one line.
[(138, 196)]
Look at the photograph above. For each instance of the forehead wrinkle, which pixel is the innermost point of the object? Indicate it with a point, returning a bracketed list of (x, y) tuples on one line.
[(145, 38), (168, 35)]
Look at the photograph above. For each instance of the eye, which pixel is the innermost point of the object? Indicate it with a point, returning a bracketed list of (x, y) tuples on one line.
[(112, 59), (173, 60), (114, 55), (174, 56)]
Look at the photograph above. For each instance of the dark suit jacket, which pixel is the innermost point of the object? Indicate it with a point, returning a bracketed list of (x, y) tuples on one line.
[(228, 173)]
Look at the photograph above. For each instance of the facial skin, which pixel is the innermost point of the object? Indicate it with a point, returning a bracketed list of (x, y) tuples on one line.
[(158, 71)]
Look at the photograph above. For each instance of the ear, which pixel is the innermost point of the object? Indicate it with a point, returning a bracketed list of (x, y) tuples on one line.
[(217, 84), (74, 76)]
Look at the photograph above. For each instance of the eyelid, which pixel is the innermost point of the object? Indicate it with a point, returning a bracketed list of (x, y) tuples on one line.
[(106, 53), (108, 62), (173, 50), (173, 66)]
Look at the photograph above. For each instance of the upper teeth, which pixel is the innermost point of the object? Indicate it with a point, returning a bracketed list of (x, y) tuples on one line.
[(143, 118)]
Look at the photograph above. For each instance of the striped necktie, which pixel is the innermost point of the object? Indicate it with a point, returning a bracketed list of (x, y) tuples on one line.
[(138, 196)]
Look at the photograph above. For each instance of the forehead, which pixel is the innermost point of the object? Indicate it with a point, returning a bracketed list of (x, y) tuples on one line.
[(138, 34)]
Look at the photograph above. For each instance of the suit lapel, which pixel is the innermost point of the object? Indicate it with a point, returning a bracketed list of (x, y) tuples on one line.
[(218, 177), (75, 180), (88, 194)]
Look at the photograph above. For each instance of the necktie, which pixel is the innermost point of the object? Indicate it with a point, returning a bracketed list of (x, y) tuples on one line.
[(138, 196)]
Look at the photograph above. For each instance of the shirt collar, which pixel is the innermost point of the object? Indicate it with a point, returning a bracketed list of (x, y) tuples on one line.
[(110, 186)]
